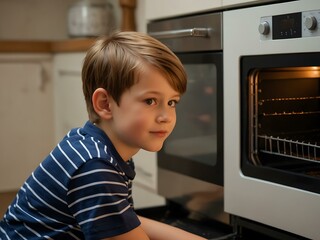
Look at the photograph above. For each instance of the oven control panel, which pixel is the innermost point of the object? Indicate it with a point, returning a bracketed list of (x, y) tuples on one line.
[(291, 25)]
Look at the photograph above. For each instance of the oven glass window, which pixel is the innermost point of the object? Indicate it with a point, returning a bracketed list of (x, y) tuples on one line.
[(195, 134), (284, 118), (283, 131), (280, 116)]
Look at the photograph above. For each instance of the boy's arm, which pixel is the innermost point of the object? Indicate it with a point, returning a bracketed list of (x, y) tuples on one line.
[(153, 230), (161, 231), (135, 234)]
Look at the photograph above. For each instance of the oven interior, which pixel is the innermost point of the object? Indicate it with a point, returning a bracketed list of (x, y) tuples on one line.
[(284, 118), (280, 119)]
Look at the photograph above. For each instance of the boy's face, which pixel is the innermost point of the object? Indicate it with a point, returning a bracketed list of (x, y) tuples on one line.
[(146, 114)]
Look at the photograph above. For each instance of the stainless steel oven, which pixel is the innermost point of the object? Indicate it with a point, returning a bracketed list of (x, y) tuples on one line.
[(272, 116), (190, 165)]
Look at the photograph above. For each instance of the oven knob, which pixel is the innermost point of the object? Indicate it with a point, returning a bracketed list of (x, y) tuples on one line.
[(311, 22), (264, 28)]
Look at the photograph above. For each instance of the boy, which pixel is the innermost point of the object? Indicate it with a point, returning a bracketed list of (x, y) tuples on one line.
[(82, 190)]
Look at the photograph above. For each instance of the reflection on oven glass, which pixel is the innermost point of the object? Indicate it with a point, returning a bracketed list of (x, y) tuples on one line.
[(194, 136)]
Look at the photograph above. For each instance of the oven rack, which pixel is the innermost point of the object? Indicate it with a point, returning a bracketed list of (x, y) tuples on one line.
[(290, 148), (286, 99), (290, 113), (289, 99)]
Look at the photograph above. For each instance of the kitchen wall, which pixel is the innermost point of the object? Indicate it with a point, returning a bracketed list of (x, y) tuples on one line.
[(34, 19), (47, 19)]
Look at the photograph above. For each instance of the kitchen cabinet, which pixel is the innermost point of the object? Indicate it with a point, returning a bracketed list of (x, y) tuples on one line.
[(233, 3), (155, 9), (69, 104), (145, 184), (26, 109)]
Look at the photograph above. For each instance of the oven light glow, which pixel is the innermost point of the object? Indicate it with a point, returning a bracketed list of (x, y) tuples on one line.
[(314, 72), (315, 68), (309, 72)]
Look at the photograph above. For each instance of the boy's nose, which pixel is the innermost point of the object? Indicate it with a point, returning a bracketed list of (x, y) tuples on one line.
[(166, 115)]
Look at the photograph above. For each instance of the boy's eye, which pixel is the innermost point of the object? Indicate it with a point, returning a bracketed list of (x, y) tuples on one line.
[(172, 103), (150, 101)]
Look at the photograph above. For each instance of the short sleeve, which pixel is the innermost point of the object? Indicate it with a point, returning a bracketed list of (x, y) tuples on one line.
[(98, 198)]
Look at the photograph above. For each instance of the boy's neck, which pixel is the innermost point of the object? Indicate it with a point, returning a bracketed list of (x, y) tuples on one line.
[(123, 150)]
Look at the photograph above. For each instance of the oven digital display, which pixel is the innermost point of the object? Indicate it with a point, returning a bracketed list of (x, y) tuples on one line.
[(286, 26)]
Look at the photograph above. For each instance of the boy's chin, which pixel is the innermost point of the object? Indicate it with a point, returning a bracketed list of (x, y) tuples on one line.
[(153, 148)]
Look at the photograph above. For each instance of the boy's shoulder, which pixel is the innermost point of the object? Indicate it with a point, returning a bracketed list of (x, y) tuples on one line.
[(81, 147)]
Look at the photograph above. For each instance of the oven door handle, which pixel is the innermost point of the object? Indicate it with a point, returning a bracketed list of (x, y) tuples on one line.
[(191, 32)]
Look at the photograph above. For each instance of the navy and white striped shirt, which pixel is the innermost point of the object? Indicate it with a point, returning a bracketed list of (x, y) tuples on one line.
[(82, 190)]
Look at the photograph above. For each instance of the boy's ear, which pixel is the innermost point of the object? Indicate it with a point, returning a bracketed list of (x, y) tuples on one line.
[(101, 102)]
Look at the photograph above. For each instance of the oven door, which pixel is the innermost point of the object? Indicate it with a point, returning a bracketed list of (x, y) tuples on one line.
[(195, 147), (280, 109)]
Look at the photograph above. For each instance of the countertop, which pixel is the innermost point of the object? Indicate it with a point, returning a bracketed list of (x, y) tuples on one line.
[(28, 46)]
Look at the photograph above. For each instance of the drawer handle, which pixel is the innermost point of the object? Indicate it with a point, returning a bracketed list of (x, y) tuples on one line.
[(192, 32)]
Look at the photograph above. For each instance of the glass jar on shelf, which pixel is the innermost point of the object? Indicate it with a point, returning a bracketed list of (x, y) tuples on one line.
[(90, 18)]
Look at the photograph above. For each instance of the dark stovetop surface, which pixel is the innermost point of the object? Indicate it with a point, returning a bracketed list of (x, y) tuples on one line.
[(181, 219), (206, 228)]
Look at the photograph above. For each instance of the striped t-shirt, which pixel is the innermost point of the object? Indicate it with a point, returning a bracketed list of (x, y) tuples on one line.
[(82, 190)]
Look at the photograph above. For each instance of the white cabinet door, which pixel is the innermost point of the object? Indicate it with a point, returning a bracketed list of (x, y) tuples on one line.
[(26, 110), (232, 3), (144, 198), (69, 103), (156, 9), (146, 169), (145, 184)]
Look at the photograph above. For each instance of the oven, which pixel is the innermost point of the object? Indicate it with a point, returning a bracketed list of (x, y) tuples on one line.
[(271, 118), (190, 164)]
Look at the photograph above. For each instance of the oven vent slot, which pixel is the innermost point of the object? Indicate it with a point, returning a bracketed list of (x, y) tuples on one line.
[(290, 148)]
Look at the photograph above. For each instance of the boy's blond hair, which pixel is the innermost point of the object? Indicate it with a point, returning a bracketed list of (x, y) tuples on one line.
[(114, 63)]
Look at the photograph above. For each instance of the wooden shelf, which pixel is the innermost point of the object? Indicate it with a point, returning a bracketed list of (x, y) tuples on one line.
[(70, 45), (25, 46)]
